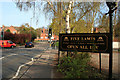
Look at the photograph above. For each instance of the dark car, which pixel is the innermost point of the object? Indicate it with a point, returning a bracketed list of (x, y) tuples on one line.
[(29, 45)]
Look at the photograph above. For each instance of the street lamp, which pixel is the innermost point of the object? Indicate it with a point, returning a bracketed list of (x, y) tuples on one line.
[(112, 8), (111, 5)]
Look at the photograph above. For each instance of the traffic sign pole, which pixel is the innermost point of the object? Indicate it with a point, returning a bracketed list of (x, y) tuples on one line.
[(50, 40), (100, 61), (111, 39)]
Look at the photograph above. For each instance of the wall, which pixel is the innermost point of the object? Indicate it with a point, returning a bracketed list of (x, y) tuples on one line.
[(116, 45)]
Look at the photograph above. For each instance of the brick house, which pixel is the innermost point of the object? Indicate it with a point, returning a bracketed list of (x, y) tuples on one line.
[(12, 29), (99, 30), (44, 35)]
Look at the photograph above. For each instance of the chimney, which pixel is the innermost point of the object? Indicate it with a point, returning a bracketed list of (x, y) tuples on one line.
[(11, 26), (43, 30)]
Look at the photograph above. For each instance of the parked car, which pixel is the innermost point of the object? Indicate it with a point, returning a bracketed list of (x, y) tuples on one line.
[(7, 43), (29, 45)]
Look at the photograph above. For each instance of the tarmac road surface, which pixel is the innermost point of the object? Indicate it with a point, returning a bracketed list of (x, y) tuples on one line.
[(12, 59)]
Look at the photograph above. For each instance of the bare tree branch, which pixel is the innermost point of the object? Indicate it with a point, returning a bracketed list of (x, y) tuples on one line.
[(51, 6), (88, 10)]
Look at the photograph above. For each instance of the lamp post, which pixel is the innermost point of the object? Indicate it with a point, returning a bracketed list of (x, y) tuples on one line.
[(112, 8)]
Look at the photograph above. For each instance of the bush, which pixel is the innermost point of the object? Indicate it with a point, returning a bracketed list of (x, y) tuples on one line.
[(17, 38), (57, 44), (76, 66), (118, 50)]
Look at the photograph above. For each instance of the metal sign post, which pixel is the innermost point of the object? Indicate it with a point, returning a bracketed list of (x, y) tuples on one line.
[(112, 8), (50, 42), (110, 55), (100, 61), (58, 56)]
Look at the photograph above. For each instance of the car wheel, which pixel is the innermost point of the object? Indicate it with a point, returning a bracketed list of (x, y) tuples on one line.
[(12, 46)]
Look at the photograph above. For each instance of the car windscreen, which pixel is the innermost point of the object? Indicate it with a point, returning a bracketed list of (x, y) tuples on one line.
[(10, 42), (30, 42)]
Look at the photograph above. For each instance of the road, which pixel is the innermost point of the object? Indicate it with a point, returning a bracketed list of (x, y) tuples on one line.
[(12, 59)]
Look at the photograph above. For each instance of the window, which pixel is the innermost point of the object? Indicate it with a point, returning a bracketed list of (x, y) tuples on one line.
[(10, 42), (41, 37)]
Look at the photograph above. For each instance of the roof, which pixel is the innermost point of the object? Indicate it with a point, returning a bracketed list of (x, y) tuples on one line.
[(17, 28)]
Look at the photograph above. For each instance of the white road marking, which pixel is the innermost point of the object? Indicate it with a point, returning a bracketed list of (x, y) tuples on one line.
[(17, 73), (2, 58), (7, 56)]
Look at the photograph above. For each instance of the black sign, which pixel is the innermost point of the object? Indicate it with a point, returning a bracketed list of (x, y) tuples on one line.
[(85, 42)]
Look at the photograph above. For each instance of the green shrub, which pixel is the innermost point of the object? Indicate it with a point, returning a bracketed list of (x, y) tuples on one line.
[(57, 44), (36, 41), (118, 50), (76, 66)]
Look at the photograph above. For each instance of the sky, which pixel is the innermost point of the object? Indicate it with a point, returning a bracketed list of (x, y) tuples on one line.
[(10, 14)]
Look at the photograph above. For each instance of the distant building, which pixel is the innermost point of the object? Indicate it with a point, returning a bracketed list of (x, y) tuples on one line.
[(44, 35), (12, 29), (99, 30)]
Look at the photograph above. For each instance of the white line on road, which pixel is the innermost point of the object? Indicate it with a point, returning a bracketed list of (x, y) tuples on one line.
[(17, 73), (8, 56), (2, 58)]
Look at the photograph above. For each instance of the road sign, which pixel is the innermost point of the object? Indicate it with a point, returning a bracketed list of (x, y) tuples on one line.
[(85, 42)]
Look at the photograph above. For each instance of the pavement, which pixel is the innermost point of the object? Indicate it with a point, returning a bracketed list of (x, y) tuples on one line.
[(43, 66), (105, 63)]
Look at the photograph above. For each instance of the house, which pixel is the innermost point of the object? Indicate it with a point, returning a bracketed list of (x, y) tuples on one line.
[(99, 30), (12, 29), (44, 35)]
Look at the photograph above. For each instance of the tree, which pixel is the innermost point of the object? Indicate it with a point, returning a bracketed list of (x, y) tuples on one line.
[(38, 32), (17, 38), (7, 30), (105, 23), (81, 11), (67, 17), (26, 29), (117, 30)]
